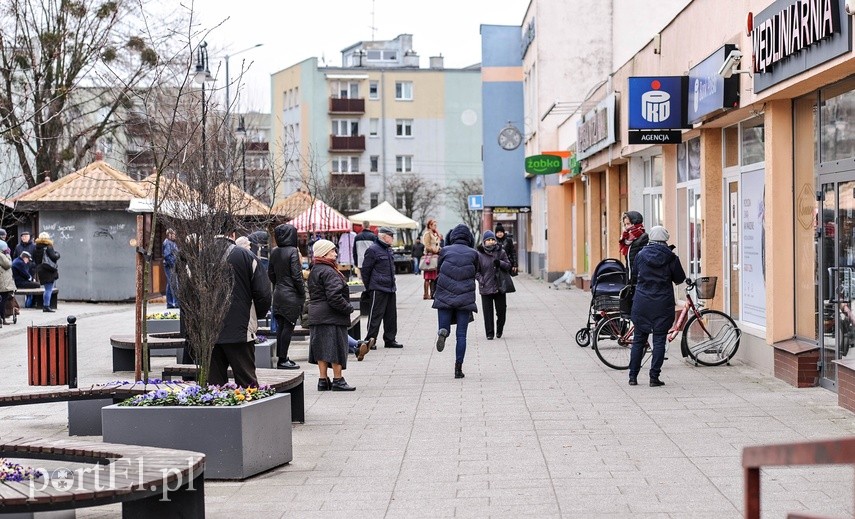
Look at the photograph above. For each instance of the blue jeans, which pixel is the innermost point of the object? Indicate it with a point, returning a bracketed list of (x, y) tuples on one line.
[(461, 317), (639, 341), (416, 270), (48, 293), (171, 300)]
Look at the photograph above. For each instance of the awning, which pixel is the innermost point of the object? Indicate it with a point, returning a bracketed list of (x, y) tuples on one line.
[(320, 218), (384, 215)]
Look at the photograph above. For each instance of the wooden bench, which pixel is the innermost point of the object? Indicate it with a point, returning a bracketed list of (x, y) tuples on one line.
[(124, 352), (355, 329), (84, 403), (38, 296), (283, 381), (148, 481)]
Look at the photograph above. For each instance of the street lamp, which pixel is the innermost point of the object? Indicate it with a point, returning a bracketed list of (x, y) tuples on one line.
[(202, 76), (241, 132)]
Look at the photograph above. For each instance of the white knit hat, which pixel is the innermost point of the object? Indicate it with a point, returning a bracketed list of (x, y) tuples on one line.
[(322, 247)]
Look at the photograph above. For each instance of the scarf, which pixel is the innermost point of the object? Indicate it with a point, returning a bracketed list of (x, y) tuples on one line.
[(330, 262), (629, 236)]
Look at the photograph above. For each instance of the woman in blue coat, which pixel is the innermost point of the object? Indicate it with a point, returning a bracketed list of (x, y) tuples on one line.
[(656, 268), (454, 298)]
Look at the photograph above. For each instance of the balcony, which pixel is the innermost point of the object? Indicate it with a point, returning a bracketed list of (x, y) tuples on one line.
[(347, 144), (344, 105), (339, 180)]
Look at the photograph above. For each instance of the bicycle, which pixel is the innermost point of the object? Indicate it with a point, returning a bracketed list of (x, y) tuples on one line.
[(710, 337)]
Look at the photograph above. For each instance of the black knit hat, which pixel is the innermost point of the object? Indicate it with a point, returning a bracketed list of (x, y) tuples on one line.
[(500, 228)]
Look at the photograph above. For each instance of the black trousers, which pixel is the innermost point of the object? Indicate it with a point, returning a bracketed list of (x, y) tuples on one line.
[(241, 357), (284, 332), (383, 308), (500, 301)]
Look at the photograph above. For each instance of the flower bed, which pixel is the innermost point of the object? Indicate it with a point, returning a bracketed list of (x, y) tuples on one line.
[(10, 471), (226, 395), (162, 315)]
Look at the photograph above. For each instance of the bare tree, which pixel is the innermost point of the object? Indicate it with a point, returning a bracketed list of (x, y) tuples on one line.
[(457, 199), (419, 197)]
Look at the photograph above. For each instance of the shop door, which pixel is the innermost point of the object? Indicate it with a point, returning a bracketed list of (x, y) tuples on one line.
[(836, 253), (733, 252)]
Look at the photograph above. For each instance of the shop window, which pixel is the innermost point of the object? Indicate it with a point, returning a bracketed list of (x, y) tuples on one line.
[(837, 122), (689, 161), (753, 141)]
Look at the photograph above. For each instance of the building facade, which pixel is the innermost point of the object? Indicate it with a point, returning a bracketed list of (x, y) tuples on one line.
[(373, 123)]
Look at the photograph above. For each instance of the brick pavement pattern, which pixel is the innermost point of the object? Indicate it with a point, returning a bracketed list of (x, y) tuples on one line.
[(539, 427)]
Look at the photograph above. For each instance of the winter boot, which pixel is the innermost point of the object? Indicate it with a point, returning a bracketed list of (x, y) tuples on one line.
[(427, 290), (458, 370)]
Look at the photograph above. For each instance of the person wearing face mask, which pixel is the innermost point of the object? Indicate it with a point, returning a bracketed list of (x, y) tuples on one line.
[(491, 259)]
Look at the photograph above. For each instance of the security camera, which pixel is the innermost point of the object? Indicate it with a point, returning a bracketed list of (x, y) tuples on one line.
[(730, 63)]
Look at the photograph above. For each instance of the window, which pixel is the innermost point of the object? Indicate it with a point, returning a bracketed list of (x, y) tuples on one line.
[(403, 90), (382, 55), (652, 194), (404, 163), (345, 165), (372, 127), (375, 163), (375, 199), (400, 198), (689, 160), (345, 89), (345, 128), (374, 90), (404, 127)]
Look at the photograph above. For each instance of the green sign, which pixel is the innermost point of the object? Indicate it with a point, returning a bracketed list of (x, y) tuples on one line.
[(575, 166), (543, 164)]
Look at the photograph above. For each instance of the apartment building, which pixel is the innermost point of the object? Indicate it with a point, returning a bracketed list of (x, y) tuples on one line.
[(366, 126)]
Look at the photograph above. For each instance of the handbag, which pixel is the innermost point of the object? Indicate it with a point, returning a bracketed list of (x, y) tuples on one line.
[(505, 282), (429, 262), (625, 297), (47, 260)]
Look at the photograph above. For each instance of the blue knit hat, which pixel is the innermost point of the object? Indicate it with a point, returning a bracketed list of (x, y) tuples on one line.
[(488, 235)]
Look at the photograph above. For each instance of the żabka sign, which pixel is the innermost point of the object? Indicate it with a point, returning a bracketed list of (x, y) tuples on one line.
[(795, 27), (543, 164)]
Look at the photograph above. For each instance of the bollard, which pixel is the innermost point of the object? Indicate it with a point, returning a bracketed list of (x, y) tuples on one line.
[(72, 351)]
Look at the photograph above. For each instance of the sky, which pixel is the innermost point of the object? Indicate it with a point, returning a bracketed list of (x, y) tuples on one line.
[(291, 31)]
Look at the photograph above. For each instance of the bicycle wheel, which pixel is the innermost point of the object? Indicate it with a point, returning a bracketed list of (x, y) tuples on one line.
[(711, 340), (612, 340)]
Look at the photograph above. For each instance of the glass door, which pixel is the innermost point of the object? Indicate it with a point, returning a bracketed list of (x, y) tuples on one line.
[(732, 303), (836, 250)]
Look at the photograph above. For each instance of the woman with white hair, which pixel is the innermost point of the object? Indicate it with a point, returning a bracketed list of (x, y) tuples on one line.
[(657, 267)]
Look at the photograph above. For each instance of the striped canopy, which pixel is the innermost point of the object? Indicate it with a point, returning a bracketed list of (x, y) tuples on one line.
[(320, 218)]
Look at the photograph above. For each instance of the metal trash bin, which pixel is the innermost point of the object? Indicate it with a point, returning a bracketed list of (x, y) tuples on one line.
[(52, 355)]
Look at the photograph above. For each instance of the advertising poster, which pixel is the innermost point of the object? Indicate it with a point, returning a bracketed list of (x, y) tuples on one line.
[(753, 290)]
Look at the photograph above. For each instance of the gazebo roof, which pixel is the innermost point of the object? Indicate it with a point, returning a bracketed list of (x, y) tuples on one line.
[(98, 185), (321, 218), (243, 203), (292, 205)]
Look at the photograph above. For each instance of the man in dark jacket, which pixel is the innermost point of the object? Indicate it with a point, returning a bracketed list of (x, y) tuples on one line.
[(418, 252), (653, 304), (22, 274), (378, 274), (250, 300), (285, 271), (363, 241), (454, 298), (507, 244), (25, 244)]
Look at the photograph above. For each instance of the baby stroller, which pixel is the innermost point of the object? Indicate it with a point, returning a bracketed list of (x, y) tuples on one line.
[(608, 279)]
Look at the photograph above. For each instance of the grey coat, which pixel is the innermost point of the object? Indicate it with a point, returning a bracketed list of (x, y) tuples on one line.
[(488, 285)]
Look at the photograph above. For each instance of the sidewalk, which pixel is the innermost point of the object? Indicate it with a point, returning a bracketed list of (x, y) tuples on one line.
[(539, 426)]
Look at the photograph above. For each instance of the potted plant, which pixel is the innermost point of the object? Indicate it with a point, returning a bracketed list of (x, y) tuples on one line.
[(252, 431), (162, 322)]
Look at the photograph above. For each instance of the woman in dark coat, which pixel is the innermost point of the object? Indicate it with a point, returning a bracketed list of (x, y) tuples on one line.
[(454, 298), (48, 274), (329, 317), (633, 239), (285, 270), (653, 304), (492, 258)]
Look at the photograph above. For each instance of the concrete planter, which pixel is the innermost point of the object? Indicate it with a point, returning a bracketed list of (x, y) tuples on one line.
[(355, 289), (238, 441), (264, 352), (163, 326)]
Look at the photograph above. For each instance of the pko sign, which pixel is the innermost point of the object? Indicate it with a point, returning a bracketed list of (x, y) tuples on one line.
[(543, 164), (657, 109)]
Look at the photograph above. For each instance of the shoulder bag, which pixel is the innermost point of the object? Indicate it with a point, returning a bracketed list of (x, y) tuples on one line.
[(429, 262), (505, 282), (47, 260)]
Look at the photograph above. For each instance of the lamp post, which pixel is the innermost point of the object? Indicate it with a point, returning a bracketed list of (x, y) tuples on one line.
[(228, 82), (241, 132), (202, 76)]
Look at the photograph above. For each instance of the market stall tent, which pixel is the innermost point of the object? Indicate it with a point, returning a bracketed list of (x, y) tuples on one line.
[(320, 217), (384, 215)]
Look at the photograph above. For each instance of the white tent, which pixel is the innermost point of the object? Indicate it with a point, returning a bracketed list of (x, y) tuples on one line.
[(384, 215)]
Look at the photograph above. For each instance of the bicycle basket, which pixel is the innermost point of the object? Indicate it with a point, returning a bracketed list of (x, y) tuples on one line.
[(705, 287)]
